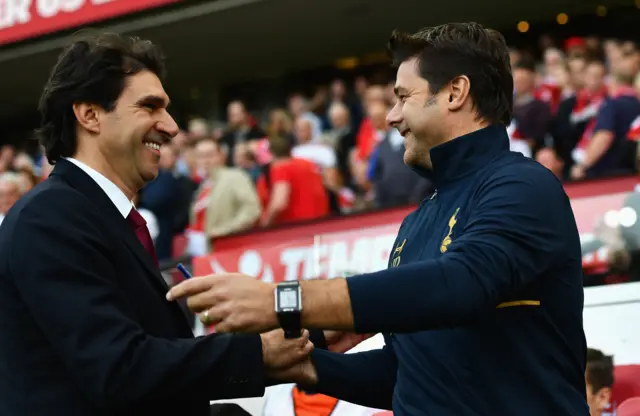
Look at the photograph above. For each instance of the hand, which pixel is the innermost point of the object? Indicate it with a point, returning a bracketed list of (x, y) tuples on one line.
[(234, 302), (339, 341), (279, 353), (303, 373), (577, 172)]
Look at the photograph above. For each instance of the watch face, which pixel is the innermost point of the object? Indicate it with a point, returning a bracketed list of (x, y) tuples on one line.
[(288, 299)]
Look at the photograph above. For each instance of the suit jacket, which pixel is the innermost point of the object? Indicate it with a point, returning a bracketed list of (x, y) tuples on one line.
[(85, 326), (233, 203)]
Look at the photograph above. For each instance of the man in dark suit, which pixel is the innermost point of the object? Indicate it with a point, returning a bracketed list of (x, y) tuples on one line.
[(86, 328)]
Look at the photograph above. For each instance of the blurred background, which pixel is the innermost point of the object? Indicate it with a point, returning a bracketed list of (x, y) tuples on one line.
[(308, 85)]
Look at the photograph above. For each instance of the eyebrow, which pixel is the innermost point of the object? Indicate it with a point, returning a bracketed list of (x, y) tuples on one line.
[(155, 100)]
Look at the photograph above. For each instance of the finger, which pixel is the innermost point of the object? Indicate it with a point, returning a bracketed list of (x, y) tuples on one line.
[(223, 326), (297, 343), (307, 348), (191, 287), (219, 315), (201, 302), (305, 335)]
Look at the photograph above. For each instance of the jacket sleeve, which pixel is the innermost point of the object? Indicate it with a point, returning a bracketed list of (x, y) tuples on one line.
[(72, 294), (365, 378), (520, 226)]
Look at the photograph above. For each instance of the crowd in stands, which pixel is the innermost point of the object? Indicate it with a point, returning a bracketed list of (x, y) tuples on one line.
[(576, 111)]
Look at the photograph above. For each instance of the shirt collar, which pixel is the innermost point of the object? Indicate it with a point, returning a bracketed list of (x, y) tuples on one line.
[(115, 194), (467, 154)]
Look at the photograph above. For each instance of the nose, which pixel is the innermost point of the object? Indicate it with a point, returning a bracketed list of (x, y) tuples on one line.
[(394, 117), (167, 125)]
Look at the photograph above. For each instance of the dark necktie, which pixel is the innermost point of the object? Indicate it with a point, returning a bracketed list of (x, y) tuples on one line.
[(142, 232)]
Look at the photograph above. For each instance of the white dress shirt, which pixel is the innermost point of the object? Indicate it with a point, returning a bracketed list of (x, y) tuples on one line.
[(115, 194)]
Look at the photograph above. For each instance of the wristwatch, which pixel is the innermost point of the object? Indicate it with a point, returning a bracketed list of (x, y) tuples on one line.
[(288, 301)]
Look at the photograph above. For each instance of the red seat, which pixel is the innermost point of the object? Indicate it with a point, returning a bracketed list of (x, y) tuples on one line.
[(626, 383), (630, 407)]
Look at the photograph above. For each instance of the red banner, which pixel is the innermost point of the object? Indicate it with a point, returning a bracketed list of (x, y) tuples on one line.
[(22, 19), (361, 243)]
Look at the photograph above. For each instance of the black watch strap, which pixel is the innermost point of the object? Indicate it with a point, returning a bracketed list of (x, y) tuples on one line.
[(288, 302)]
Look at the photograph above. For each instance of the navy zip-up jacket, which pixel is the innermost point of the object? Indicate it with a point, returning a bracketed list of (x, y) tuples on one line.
[(481, 305)]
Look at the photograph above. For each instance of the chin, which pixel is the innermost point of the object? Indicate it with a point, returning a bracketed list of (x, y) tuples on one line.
[(410, 158), (150, 175)]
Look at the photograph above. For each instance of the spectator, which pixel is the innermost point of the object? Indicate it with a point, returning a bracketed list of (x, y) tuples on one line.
[(604, 152), (244, 158), (514, 57), (198, 127), (28, 179), (291, 189), (549, 89), (576, 67), (161, 198), (573, 125), (299, 108), (240, 129), (343, 138), (575, 47), (360, 86), (319, 153), (7, 155), (549, 159), (531, 117), (181, 142), (367, 136), (280, 125), (394, 183), (10, 191), (339, 95), (226, 201), (599, 380)]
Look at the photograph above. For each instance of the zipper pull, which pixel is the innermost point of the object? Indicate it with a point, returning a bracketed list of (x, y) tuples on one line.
[(433, 196)]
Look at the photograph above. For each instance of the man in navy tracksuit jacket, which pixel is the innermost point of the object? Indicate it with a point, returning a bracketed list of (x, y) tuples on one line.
[(481, 304), (491, 267)]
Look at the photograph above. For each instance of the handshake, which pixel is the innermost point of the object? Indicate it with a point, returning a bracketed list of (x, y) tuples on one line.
[(235, 302), (288, 361)]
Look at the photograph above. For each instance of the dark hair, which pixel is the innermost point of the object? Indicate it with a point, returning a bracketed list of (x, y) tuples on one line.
[(279, 146), (599, 370), (453, 49), (93, 69)]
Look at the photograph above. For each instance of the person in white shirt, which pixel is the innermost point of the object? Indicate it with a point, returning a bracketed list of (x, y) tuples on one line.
[(319, 153)]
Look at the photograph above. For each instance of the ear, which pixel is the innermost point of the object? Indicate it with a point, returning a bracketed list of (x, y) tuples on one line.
[(87, 116), (458, 90)]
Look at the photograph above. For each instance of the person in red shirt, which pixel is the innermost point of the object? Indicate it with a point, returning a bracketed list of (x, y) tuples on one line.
[(291, 189)]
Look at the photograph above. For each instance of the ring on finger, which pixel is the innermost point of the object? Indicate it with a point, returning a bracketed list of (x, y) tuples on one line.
[(205, 318)]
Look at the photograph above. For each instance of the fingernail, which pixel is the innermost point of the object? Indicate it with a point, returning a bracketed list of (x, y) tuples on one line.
[(169, 297)]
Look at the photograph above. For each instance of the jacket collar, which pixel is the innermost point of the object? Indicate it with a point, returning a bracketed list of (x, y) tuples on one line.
[(466, 154), (81, 181)]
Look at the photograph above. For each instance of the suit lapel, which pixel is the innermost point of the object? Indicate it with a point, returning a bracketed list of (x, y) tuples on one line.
[(85, 184)]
